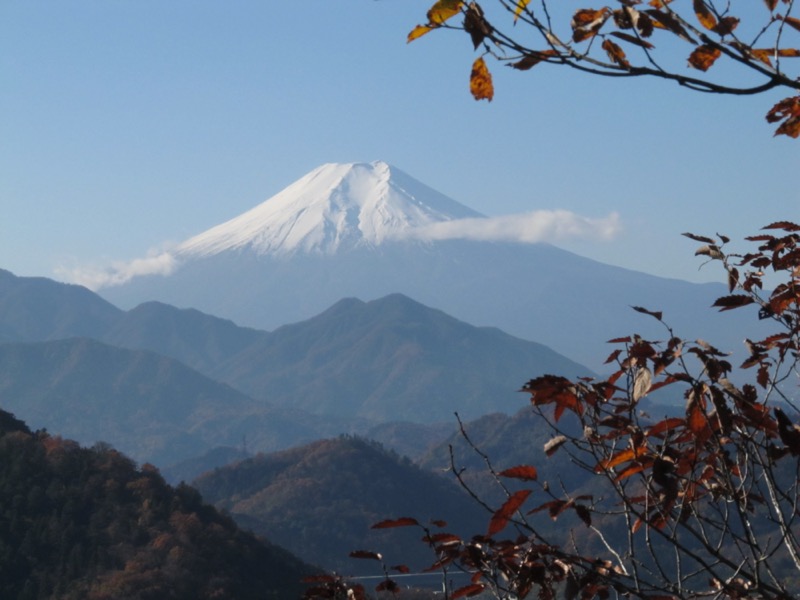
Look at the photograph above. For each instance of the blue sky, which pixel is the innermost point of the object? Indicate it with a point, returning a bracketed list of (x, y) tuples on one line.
[(128, 124)]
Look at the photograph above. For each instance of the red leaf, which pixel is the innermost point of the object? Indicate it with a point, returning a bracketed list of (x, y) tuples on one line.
[(501, 517), (401, 522), (731, 302), (524, 472)]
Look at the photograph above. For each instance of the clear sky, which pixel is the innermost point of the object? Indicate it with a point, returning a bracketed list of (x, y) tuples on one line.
[(128, 124)]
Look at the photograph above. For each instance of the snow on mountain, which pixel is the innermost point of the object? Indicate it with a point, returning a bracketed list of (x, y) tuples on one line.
[(334, 207)]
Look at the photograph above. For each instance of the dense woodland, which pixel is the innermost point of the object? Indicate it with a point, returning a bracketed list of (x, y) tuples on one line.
[(86, 523)]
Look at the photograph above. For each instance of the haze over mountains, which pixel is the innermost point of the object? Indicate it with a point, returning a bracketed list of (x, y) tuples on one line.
[(368, 230), (166, 384)]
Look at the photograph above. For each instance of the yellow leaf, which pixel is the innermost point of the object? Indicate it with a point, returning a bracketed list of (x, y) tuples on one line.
[(480, 81), (418, 32), (443, 10), (521, 4), (704, 15)]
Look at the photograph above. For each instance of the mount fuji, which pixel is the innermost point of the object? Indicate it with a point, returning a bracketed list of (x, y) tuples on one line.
[(367, 230)]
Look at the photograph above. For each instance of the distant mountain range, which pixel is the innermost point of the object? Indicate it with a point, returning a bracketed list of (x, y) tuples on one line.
[(167, 384), (367, 230)]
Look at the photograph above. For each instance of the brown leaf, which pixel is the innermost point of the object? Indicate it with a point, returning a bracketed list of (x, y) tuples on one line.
[(704, 15), (480, 81), (665, 20), (656, 314), (524, 472), (703, 57), (632, 39), (792, 22), (698, 238), (615, 53), (476, 25), (401, 522), (771, 4), (726, 26), (503, 514), (733, 301), (532, 59)]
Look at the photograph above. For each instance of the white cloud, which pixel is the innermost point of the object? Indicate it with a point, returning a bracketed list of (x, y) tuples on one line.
[(94, 278), (532, 227)]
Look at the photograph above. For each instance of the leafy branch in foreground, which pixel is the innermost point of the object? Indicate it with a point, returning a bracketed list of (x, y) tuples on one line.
[(701, 503), (682, 42)]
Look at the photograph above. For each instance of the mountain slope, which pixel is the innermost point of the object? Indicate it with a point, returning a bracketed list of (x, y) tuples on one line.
[(336, 207), (35, 309), (391, 359), (320, 500), (154, 408), (298, 253), (87, 524)]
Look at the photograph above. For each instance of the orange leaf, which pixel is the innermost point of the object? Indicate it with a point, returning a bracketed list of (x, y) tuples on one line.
[(791, 21), (620, 457), (615, 53), (703, 57), (763, 55), (501, 517), (401, 522), (418, 32), (704, 15), (480, 81), (521, 472)]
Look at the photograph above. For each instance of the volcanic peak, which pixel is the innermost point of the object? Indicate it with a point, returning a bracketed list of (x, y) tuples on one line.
[(335, 207)]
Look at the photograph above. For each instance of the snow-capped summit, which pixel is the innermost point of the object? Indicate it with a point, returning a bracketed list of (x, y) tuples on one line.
[(334, 207)]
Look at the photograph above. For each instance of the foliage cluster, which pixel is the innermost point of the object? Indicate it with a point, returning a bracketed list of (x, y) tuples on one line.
[(700, 505), (634, 38), (85, 523)]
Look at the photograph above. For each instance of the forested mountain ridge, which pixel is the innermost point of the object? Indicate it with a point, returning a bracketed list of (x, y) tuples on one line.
[(320, 500), (86, 524)]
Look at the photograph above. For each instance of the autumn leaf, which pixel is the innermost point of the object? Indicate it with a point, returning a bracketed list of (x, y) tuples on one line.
[(501, 517), (734, 301), (418, 32), (401, 522), (476, 25), (524, 472), (632, 39), (521, 5), (656, 314), (480, 81), (703, 57), (771, 4), (704, 15), (763, 55), (532, 59), (366, 554), (444, 10), (792, 22), (615, 53)]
